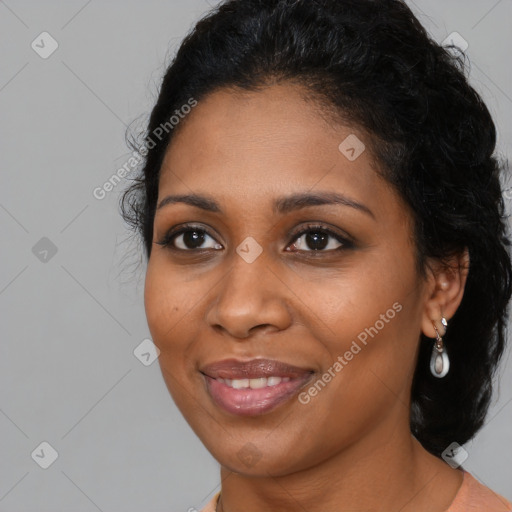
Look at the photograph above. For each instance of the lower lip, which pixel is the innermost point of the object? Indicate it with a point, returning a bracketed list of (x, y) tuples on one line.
[(251, 402)]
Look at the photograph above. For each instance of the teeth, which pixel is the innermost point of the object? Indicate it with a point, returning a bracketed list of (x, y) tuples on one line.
[(258, 383), (253, 383), (273, 381), (240, 383)]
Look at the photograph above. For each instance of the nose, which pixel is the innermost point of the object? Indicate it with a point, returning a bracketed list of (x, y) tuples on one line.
[(251, 297)]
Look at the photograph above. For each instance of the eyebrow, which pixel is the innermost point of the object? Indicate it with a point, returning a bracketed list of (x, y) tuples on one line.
[(281, 205)]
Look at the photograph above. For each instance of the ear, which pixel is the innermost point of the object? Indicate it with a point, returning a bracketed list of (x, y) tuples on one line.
[(445, 289)]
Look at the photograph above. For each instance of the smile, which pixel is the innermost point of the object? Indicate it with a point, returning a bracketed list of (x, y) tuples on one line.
[(262, 382), (250, 388)]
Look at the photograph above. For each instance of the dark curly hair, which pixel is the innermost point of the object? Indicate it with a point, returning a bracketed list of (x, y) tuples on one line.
[(373, 64)]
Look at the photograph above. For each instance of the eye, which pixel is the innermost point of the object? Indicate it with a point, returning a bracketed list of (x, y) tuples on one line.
[(189, 238), (313, 238), (317, 238)]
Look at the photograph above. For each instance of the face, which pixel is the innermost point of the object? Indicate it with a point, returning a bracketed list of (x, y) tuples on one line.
[(284, 299)]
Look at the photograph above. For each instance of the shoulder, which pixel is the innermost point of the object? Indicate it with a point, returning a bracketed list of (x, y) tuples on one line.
[(211, 505), (474, 496)]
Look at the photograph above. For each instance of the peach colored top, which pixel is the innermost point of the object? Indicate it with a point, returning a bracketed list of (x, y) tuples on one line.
[(472, 496)]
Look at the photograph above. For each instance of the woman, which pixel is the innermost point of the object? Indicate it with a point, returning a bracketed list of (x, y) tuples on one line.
[(328, 268)]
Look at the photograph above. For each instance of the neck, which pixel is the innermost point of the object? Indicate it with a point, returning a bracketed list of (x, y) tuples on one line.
[(394, 474)]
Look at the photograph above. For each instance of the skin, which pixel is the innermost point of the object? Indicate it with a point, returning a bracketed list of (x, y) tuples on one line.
[(351, 444)]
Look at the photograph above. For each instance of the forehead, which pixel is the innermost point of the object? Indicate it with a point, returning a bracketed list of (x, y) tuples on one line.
[(266, 143)]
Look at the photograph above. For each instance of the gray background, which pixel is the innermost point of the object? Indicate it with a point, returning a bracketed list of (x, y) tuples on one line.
[(71, 322)]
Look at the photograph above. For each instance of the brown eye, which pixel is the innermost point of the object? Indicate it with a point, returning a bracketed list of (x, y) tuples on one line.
[(319, 239), (189, 238)]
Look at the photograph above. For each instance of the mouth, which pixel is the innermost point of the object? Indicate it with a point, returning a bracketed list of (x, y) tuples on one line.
[(250, 388)]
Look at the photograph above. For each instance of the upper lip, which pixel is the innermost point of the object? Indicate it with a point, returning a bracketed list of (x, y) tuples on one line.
[(252, 369)]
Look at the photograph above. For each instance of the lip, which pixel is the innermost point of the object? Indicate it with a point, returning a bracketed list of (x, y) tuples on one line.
[(248, 401), (252, 369)]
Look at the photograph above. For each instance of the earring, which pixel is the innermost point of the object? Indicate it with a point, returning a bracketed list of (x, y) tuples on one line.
[(439, 361)]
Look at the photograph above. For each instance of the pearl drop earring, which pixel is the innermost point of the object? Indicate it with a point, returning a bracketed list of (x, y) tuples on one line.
[(439, 361)]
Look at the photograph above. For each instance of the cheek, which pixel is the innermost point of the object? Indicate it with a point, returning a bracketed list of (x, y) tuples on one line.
[(366, 318), (163, 302), (166, 307), (344, 304)]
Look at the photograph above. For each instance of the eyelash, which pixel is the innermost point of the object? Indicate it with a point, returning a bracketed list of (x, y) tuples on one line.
[(310, 228)]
